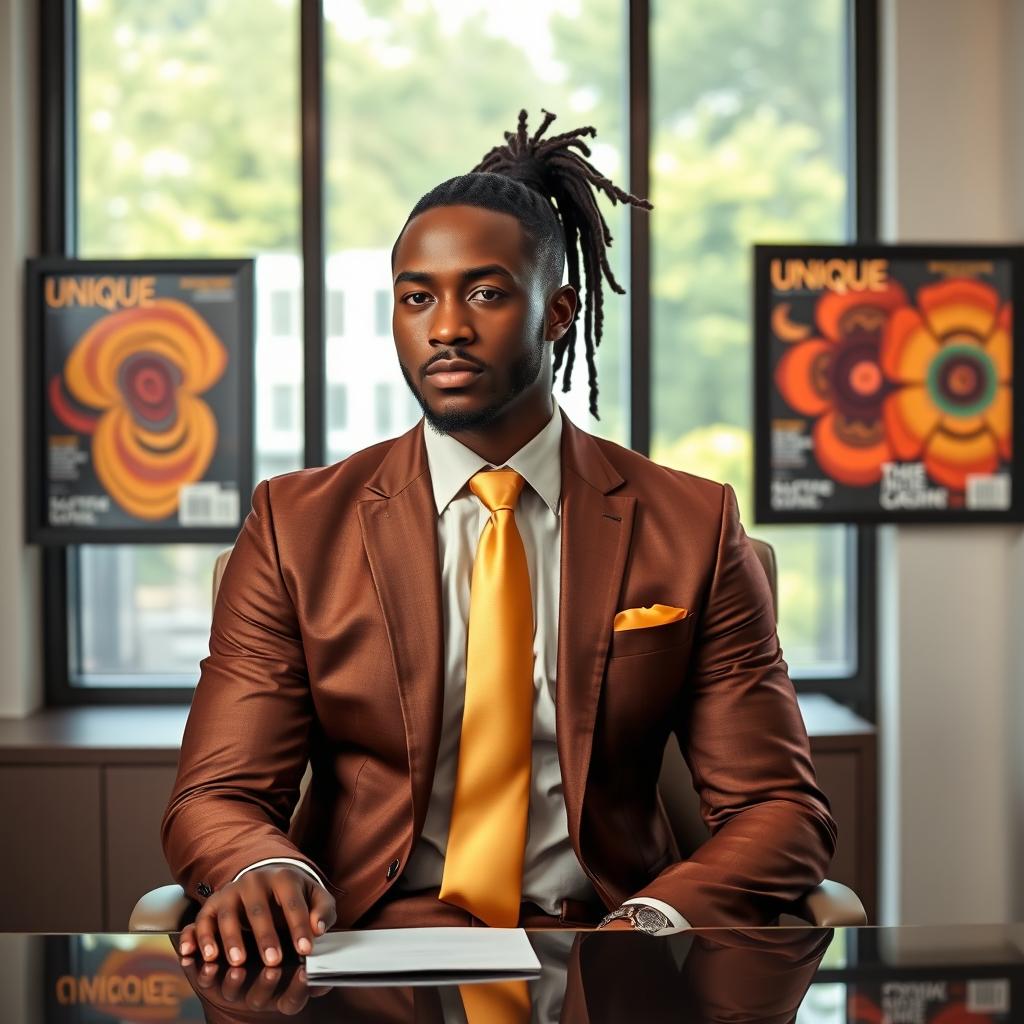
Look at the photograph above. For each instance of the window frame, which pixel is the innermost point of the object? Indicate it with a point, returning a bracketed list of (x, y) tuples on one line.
[(58, 231)]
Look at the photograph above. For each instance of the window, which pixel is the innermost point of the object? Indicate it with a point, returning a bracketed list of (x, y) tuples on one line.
[(282, 314), (283, 416), (335, 313), (412, 406), (382, 408), (382, 310), (743, 150), (338, 407), (397, 127), (187, 144), (186, 147)]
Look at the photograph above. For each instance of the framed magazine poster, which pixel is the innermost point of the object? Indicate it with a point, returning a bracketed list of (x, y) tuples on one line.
[(986, 994), (883, 383), (138, 400)]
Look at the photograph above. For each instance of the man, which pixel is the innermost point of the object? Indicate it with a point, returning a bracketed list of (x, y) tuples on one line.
[(481, 635)]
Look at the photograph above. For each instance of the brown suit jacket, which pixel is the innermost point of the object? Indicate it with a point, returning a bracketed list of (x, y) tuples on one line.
[(326, 643)]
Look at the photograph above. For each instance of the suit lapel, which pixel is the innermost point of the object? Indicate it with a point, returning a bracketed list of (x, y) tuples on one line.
[(597, 527), (399, 527)]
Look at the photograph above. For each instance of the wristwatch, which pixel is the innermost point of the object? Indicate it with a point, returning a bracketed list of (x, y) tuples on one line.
[(642, 917)]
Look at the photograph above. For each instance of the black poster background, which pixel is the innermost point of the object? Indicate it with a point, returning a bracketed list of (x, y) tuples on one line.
[(787, 493), (67, 501)]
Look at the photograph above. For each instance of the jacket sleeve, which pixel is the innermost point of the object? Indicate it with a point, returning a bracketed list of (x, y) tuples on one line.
[(246, 741), (742, 735)]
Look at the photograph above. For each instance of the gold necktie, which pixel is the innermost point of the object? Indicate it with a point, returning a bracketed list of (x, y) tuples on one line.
[(483, 864), (496, 1002)]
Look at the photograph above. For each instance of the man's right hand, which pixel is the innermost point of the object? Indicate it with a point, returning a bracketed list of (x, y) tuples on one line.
[(273, 900)]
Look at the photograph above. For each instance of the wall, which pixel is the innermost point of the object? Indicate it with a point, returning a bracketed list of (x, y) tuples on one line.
[(951, 601), (20, 681)]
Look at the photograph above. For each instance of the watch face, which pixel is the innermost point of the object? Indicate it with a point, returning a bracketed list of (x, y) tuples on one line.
[(648, 919)]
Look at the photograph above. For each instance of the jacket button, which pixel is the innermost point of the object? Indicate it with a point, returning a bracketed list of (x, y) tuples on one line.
[(204, 889), (393, 869)]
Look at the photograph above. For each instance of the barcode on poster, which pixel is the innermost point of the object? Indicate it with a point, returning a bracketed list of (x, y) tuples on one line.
[(207, 504), (989, 995), (988, 491)]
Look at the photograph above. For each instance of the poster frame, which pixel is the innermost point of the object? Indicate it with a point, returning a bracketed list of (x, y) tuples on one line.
[(762, 378), (37, 529)]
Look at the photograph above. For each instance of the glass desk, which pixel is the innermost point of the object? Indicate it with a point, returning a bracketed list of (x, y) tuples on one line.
[(966, 974)]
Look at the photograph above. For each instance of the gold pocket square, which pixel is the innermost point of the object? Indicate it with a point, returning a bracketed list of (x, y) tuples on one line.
[(649, 615)]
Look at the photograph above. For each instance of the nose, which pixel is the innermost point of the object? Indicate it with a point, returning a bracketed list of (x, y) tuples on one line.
[(451, 324)]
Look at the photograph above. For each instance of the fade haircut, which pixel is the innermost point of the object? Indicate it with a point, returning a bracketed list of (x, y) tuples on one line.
[(551, 191)]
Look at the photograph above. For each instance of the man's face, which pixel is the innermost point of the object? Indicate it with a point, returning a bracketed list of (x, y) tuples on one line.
[(466, 288)]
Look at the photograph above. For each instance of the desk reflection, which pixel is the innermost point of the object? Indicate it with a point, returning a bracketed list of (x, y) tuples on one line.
[(951, 974), (585, 977), (720, 975)]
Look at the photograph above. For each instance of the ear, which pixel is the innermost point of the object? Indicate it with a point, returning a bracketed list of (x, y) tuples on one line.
[(561, 309)]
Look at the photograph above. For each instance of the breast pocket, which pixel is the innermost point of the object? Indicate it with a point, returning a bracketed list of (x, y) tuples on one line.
[(627, 643), (644, 676)]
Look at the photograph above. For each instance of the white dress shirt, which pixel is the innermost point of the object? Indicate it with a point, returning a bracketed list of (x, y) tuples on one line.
[(551, 869)]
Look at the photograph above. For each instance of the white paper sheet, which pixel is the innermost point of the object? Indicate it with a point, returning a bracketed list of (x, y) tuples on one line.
[(441, 952)]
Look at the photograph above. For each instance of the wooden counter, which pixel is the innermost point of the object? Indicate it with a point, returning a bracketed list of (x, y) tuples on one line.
[(82, 792)]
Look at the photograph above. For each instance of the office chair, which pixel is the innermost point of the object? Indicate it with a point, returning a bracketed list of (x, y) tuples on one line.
[(828, 905)]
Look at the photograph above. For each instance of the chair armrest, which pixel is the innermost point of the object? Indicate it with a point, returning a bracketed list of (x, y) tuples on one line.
[(829, 905), (166, 909)]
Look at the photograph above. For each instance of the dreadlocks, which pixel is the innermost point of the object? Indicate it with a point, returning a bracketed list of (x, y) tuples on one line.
[(547, 187)]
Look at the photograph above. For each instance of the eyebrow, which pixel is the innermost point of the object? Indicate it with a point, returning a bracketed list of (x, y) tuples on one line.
[(422, 277)]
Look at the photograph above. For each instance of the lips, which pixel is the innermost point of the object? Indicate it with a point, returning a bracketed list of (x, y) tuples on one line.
[(451, 366), (452, 373)]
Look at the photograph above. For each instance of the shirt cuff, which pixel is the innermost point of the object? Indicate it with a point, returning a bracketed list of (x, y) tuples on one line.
[(679, 923), (281, 860)]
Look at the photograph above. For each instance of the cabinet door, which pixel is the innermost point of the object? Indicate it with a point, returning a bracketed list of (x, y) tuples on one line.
[(839, 778), (847, 779), (50, 866), (135, 800)]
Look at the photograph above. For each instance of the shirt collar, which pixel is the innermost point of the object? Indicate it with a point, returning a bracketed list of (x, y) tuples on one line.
[(539, 462)]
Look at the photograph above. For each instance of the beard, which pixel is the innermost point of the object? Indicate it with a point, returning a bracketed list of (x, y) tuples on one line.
[(522, 374)]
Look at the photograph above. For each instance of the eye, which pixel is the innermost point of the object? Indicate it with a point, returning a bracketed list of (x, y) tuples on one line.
[(410, 295), (494, 291)]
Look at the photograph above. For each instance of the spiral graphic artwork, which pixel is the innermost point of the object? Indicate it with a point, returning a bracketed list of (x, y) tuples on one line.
[(135, 378), (889, 378)]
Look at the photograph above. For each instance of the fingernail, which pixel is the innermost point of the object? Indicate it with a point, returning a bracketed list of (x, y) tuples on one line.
[(186, 947), (271, 954), (209, 950), (235, 954), (321, 926), (304, 945)]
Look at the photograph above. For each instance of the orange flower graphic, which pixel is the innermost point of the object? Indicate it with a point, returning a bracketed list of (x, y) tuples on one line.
[(952, 356), (837, 378), (144, 369)]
